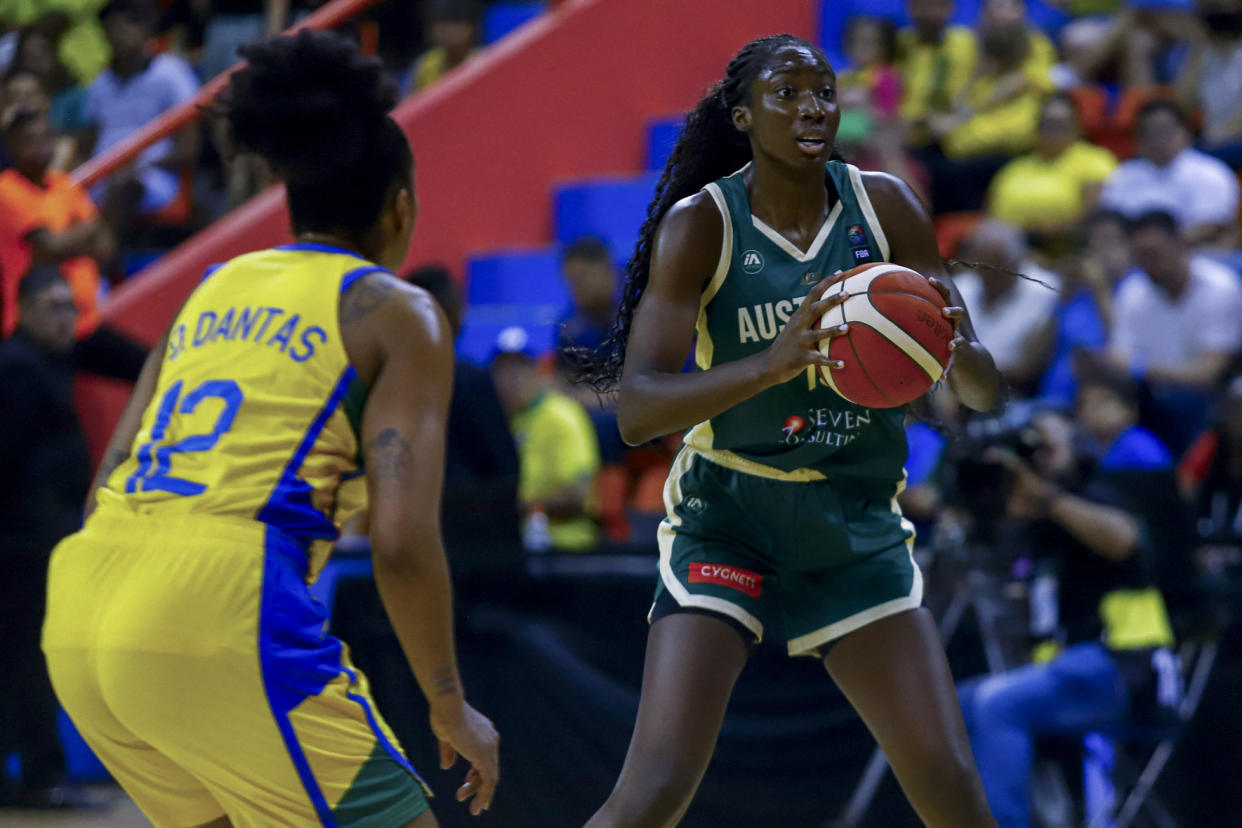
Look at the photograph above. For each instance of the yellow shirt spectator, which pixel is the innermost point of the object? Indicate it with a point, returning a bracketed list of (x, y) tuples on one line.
[(557, 448), (933, 75), (1036, 191), (1007, 127), (1039, 61), (999, 112), (82, 47)]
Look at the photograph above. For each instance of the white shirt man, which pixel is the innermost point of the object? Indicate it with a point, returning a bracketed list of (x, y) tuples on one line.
[(1194, 188), (1168, 337)]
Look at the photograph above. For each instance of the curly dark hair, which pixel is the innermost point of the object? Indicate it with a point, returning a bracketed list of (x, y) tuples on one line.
[(709, 147), (317, 110)]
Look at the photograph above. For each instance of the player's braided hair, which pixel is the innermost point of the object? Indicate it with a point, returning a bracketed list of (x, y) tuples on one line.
[(708, 148), (317, 110)]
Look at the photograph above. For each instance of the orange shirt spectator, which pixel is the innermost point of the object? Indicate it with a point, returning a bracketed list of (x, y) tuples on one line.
[(46, 218)]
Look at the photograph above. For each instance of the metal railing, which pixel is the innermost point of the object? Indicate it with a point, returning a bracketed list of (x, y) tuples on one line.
[(105, 163)]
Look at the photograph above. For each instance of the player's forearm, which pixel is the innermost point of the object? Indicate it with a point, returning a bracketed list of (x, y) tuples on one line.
[(655, 403), (1202, 373), (414, 584), (53, 248), (1106, 531), (974, 378)]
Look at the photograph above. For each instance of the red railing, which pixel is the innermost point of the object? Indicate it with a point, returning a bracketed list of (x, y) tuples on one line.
[(172, 121)]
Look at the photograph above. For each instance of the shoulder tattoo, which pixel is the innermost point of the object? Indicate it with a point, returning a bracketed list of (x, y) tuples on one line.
[(363, 298)]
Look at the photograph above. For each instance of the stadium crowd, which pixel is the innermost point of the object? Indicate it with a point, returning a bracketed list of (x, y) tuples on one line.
[(1082, 159)]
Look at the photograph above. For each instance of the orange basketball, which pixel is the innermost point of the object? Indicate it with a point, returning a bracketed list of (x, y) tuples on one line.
[(897, 346)]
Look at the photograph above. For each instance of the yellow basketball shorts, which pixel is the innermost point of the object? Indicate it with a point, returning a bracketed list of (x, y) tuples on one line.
[(195, 663)]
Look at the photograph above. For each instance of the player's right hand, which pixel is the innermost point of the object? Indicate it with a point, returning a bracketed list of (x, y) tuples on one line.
[(797, 346), (463, 730)]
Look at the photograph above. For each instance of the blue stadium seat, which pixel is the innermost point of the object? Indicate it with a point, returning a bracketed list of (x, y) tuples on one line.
[(502, 18), (612, 209), (661, 138), (483, 325), (517, 277)]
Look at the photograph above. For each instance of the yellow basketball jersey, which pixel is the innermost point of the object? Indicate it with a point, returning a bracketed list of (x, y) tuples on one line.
[(257, 410)]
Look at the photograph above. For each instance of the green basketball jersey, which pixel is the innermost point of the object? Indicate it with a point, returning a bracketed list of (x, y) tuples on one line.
[(801, 430)]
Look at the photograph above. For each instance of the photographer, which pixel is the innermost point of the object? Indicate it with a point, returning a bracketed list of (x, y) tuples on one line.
[(1093, 595)]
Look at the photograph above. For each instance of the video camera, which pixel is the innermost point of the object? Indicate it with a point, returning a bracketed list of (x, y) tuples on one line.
[(982, 486)]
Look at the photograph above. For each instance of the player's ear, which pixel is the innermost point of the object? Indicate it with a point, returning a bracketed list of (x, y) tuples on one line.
[(741, 118)]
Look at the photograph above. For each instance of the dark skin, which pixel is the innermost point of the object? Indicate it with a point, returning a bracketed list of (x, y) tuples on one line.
[(401, 345), (893, 670)]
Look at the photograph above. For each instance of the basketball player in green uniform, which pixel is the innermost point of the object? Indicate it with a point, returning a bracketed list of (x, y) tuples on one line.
[(782, 501)]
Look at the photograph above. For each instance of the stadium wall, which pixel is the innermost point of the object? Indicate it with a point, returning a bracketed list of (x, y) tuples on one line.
[(567, 96)]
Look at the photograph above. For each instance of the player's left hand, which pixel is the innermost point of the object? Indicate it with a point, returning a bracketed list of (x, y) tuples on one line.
[(954, 313)]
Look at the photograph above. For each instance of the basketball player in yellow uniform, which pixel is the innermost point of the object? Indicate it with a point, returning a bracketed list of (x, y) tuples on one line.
[(296, 386)]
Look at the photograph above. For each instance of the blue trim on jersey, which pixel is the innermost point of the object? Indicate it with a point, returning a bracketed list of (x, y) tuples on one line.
[(316, 247), (289, 509), (210, 270), (1137, 448), (391, 749), (354, 275), (296, 657)]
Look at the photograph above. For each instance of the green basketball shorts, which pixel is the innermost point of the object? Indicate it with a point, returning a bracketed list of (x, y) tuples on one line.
[(751, 548)]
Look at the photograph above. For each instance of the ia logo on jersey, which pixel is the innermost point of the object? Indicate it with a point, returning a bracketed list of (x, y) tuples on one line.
[(752, 262), (695, 505)]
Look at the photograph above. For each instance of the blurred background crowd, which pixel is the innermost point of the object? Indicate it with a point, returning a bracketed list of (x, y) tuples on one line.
[(1082, 160)]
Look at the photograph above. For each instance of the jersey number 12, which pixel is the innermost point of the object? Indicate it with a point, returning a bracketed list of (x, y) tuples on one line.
[(155, 461)]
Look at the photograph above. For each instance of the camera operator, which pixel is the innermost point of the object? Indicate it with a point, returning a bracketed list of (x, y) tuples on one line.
[(1093, 595)]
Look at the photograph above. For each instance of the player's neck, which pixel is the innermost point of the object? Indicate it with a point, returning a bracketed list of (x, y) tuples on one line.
[(333, 240), (788, 201)]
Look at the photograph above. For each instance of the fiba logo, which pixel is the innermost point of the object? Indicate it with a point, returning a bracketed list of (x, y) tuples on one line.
[(752, 262)]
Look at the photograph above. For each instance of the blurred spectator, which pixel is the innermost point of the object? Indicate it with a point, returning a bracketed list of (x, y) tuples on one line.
[(1199, 191), (36, 53), (1211, 78), (1153, 41), (1094, 601), (1106, 257), (936, 61), (136, 87), (20, 89), (480, 519), (228, 24), (1178, 318), (72, 26), (558, 455), (453, 33), (1084, 45), (1048, 191), (870, 89), (587, 266), (1013, 316), (1210, 475), (47, 218), (588, 270), (44, 475), (999, 110), (1041, 54), (1089, 274), (1177, 323), (991, 119), (869, 93)]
